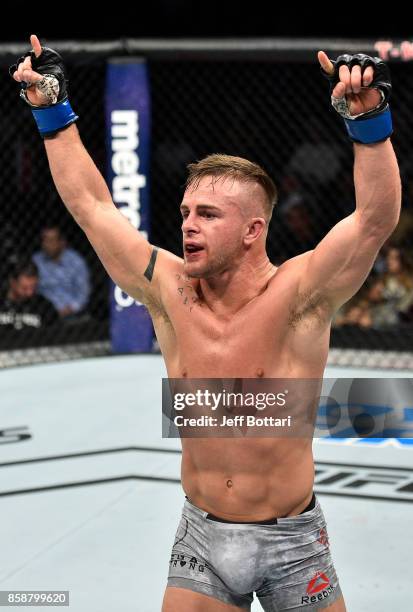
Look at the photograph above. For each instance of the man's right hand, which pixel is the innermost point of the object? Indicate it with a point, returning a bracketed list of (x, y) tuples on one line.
[(123, 251), (25, 74), (42, 76)]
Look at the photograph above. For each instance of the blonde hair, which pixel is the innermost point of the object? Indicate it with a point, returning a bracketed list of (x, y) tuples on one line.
[(220, 165)]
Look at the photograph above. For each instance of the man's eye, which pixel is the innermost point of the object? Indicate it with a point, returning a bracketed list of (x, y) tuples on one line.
[(208, 215)]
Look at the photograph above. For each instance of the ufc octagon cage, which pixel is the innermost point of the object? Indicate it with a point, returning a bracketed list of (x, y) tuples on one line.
[(260, 99)]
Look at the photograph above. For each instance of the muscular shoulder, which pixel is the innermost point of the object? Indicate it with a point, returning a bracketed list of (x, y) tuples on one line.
[(164, 263), (162, 270)]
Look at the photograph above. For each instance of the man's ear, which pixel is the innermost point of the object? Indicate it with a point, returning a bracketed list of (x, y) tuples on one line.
[(255, 228)]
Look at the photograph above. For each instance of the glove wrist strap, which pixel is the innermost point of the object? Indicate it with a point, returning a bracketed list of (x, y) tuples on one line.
[(51, 119), (370, 130)]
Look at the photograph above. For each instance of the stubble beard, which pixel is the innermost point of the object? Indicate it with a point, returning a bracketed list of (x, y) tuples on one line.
[(208, 269)]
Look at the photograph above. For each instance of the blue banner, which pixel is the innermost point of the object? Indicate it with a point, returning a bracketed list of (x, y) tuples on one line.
[(127, 145)]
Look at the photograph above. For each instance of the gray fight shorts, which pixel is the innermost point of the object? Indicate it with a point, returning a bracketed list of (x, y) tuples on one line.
[(286, 562)]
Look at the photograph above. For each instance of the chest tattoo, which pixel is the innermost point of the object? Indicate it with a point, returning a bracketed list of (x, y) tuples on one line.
[(187, 293)]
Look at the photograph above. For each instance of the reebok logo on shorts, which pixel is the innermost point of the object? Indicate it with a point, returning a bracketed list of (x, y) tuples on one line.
[(318, 589)]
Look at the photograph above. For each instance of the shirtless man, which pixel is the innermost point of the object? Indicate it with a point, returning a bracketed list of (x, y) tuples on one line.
[(250, 522)]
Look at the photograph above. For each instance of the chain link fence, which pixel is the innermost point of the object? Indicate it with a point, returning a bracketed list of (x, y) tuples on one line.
[(266, 103)]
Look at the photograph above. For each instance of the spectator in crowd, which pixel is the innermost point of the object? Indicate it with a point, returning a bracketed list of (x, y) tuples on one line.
[(355, 311), (397, 289), (63, 274), (20, 306), (384, 300)]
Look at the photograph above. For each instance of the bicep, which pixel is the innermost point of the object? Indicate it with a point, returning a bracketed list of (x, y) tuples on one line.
[(123, 251), (341, 262)]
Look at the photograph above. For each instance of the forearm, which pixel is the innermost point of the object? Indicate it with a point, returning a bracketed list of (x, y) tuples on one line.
[(377, 186), (78, 181)]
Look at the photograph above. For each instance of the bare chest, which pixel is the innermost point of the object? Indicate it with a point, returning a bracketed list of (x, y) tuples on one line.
[(276, 334), (209, 344)]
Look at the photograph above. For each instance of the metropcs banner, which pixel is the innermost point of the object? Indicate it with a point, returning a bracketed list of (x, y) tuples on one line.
[(127, 145)]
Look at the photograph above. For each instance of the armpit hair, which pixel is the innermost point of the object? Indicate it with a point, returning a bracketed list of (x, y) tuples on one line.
[(310, 305)]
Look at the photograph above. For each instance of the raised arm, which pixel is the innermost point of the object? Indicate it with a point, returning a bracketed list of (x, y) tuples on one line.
[(124, 252), (340, 263), (128, 257)]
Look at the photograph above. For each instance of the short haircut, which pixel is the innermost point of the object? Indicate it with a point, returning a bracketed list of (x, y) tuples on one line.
[(25, 267), (220, 165)]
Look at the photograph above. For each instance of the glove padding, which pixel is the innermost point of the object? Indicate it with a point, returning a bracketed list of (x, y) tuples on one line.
[(381, 81), (54, 84)]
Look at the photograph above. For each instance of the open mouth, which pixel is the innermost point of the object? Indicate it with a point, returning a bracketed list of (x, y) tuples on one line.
[(191, 249)]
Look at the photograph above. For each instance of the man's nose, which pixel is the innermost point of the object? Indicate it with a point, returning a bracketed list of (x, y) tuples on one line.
[(189, 225)]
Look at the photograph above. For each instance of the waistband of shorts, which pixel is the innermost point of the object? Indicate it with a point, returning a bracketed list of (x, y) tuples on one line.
[(305, 517)]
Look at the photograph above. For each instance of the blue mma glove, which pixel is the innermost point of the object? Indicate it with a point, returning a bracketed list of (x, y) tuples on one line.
[(374, 125), (57, 113)]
